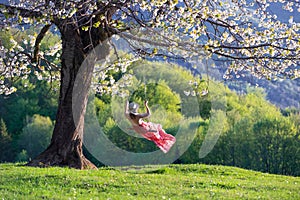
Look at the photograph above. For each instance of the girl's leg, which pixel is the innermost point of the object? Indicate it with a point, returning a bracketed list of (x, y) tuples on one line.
[(165, 135)]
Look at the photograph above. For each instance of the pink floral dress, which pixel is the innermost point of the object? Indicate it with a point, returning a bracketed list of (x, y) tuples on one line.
[(155, 133)]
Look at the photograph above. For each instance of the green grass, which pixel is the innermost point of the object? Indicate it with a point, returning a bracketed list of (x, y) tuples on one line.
[(149, 182)]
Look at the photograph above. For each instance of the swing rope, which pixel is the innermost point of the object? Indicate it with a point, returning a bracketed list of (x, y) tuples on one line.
[(205, 91), (145, 89), (145, 93)]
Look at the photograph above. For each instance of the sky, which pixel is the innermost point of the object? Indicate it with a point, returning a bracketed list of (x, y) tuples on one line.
[(283, 15)]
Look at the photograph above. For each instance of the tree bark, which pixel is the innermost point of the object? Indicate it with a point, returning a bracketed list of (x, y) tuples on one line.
[(65, 148)]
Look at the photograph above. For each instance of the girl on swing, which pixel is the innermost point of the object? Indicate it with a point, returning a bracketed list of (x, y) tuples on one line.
[(148, 130)]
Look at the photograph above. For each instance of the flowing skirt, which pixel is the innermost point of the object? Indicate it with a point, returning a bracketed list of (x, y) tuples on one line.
[(155, 133)]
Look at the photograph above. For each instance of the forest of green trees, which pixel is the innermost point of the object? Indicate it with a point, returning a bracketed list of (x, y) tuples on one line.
[(257, 135)]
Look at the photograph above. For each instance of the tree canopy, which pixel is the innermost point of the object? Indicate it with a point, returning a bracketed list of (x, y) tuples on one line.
[(247, 34)]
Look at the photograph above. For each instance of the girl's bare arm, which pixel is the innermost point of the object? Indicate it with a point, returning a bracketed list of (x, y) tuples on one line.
[(148, 112)]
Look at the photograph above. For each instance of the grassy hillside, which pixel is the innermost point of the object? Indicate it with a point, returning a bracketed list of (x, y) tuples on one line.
[(150, 182)]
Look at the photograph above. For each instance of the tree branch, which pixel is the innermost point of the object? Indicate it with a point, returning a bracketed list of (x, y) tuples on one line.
[(38, 40), (11, 10), (236, 57)]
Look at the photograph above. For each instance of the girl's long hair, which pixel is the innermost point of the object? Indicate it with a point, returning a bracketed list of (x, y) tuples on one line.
[(132, 116)]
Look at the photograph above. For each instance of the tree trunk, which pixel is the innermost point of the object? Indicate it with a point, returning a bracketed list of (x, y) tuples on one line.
[(65, 148)]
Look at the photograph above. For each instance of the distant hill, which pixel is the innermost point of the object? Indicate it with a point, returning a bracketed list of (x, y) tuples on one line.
[(283, 94)]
